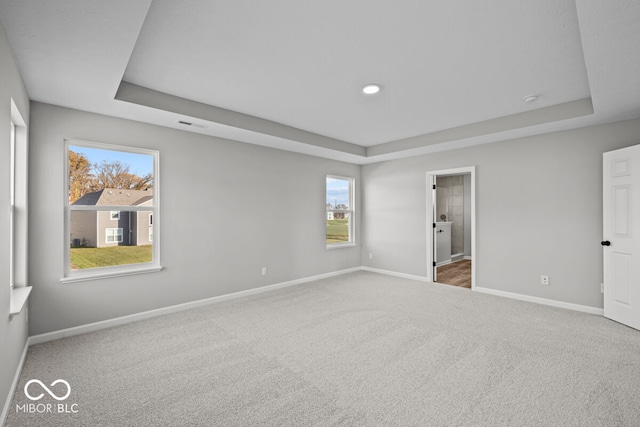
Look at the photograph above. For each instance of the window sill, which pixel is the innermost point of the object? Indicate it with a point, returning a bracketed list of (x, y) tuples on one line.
[(82, 277), (19, 296), (341, 245)]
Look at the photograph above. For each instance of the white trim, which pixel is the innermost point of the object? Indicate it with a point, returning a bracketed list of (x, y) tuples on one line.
[(445, 262), (396, 274), (109, 272), (430, 179), (339, 245), (12, 204), (14, 383), (543, 301), (107, 208), (467, 257), (18, 298), (91, 327), (19, 213)]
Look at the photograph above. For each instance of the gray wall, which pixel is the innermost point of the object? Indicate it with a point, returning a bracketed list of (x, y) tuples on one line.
[(548, 221), (227, 210), (13, 332)]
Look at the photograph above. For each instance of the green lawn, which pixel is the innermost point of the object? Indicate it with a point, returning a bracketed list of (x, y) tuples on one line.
[(337, 230), (82, 258)]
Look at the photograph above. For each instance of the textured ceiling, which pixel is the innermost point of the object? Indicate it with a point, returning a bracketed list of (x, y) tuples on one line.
[(288, 74)]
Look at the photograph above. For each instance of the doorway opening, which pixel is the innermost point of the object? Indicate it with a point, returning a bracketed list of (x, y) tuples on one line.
[(451, 247)]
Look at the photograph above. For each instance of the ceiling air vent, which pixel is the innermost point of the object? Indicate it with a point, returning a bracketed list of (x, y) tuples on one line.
[(195, 125)]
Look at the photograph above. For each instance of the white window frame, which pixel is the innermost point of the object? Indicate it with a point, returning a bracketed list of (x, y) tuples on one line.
[(109, 232), (116, 217), (18, 216), (150, 233), (350, 212), (117, 270), (12, 204)]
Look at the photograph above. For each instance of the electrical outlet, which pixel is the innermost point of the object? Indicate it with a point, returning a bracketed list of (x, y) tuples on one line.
[(370, 255), (264, 271), (544, 280)]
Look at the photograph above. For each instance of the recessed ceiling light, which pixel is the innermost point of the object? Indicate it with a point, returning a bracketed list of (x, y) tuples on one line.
[(370, 89), (530, 98)]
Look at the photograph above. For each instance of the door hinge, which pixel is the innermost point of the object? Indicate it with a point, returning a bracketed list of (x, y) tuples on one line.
[(434, 186), (434, 263), (434, 225)]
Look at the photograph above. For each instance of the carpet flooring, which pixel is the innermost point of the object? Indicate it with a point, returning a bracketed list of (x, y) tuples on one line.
[(361, 349)]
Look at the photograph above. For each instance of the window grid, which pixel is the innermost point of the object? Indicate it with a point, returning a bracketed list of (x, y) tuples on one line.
[(113, 235)]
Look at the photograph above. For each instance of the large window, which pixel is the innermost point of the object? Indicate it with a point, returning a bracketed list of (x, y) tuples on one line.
[(18, 174), (12, 204), (112, 192), (339, 211), (18, 218)]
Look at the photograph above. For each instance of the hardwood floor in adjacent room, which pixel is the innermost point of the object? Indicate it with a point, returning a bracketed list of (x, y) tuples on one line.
[(456, 274)]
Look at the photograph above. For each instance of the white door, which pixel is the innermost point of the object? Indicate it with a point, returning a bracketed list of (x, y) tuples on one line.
[(621, 239)]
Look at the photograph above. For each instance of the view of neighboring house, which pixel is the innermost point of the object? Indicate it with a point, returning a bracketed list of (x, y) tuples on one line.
[(113, 228)]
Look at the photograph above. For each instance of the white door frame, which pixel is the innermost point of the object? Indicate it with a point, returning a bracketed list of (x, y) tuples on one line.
[(430, 218)]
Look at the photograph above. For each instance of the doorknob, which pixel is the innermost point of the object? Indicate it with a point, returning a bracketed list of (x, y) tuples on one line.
[(605, 243)]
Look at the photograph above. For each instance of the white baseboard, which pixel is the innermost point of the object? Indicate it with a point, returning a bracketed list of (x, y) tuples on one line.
[(63, 333), (91, 327), (395, 274), (467, 257), (544, 301), (14, 384)]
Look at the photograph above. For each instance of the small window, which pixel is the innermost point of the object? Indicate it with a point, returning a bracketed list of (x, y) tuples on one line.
[(111, 192), (113, 235), (339, 211)]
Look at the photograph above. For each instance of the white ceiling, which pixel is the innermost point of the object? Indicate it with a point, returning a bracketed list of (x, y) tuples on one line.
[(287, 74)]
